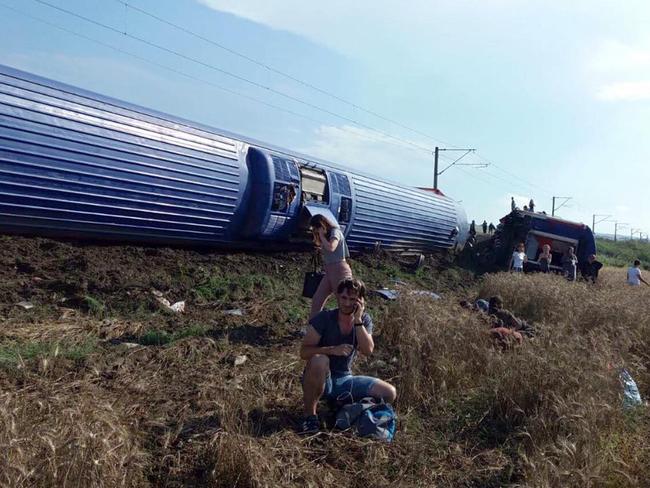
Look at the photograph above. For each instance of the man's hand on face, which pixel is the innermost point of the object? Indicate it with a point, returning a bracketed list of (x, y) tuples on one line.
[(342, 350), (358, 310)]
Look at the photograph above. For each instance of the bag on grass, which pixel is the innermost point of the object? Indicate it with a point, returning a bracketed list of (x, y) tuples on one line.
[(368, 418), (312, 279)]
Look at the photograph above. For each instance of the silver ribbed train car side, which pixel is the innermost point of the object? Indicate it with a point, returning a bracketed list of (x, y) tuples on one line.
[(77, 164)]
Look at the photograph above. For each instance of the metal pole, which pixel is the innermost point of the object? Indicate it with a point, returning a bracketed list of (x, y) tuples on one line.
[(553, 211), (435, 168), (593, 224)]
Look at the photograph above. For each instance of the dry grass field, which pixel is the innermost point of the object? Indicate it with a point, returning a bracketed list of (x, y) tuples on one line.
[(101, 387)]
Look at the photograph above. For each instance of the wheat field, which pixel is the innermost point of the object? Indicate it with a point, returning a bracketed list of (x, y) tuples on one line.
[(86, 401)]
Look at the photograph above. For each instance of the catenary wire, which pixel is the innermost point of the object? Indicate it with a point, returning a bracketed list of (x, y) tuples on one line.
[(233, 75), (207, 82), (279, 72)]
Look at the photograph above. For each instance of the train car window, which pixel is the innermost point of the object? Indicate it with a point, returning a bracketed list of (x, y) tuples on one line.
[(345, 210), (283, 197), (314, 185)]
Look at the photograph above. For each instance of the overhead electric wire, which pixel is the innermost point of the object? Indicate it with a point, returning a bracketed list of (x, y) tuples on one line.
[(279, 72), (207, 82), (512, 175), (233, 75), (401, 143)]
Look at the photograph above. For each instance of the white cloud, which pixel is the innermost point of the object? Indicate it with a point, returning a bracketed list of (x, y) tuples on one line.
[(370, 152), (614, 56), (624, 91), (620, 71)]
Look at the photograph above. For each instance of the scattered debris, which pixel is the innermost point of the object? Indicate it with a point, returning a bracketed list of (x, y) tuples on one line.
[(631, 396), (25, 305), (239, 360), (178, 307), (238, 312), (130, 345), (386, 294)]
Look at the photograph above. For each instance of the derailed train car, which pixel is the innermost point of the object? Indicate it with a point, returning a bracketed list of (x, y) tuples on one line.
[(535, 230), (81, 165)]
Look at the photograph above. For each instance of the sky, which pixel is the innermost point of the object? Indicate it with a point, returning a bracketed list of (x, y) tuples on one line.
[(554, 95)]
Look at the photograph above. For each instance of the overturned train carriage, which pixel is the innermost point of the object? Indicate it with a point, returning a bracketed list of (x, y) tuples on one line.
[(77, 164)]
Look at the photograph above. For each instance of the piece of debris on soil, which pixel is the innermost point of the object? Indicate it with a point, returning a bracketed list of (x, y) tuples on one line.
[(239, 360), (238, 312), (178, 307), (25, 305)]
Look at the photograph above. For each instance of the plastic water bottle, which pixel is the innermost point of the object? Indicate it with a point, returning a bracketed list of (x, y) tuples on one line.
[(631, 396)]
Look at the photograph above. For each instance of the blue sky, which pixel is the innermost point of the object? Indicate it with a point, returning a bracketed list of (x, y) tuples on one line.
[(555, 94)]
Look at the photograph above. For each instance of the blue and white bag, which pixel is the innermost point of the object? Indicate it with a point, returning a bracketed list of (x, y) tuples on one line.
[(369, 419)]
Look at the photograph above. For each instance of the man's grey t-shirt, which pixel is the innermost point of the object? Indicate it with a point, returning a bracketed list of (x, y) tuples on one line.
[(326, 324), (340, 253)]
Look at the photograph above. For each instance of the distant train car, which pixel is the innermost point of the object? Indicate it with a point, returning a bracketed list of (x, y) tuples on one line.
[(536, 229), (81, 165)]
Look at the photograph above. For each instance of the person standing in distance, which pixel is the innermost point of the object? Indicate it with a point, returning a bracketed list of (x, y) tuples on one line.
[(570, 264), (634, 277), (518, 258), (329, 238), (545, 258)]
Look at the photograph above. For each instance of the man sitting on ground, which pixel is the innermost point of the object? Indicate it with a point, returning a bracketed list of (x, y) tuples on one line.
[(330, 346)]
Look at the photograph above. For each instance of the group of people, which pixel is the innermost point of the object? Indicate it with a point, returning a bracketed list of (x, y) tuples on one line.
[(589, 270), (569, 262), (334, 337), (527, 208), (484, 226)]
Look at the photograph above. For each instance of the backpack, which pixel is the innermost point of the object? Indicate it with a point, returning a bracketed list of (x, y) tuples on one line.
[(369, 419)]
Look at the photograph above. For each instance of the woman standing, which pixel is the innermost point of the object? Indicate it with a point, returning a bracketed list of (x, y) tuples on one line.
[(545, 258), (329, 238)]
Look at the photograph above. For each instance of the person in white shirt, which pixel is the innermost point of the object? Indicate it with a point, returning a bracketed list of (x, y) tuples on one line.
[(518, 259), (634, 277)]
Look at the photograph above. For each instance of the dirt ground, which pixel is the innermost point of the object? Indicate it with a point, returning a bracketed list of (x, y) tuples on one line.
[(84, 336), (102, 385)]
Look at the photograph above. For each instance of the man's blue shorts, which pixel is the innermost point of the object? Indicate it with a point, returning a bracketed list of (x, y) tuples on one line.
[(348, 388)]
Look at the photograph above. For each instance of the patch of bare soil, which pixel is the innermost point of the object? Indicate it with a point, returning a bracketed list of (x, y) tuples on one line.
[(164, 398)]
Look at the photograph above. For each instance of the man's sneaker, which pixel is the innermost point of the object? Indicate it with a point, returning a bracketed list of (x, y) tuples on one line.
[(310, 425)]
